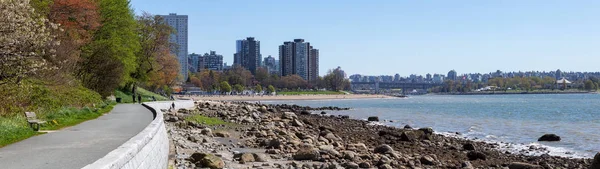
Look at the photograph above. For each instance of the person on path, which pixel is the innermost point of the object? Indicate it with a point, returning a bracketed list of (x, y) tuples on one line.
[(173, 105), (140, 98), (133, 97)]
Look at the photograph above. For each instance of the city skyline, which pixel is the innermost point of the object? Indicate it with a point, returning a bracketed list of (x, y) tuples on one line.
[(405, 37)]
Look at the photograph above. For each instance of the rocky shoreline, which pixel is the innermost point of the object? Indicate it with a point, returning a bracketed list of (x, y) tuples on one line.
[(290, 136)]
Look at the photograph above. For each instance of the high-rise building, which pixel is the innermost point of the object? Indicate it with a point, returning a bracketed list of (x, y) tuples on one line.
[(213, 61), (313, 64), (299, 58), (180, 37), (271, 65), (248, 54), (452, 75), (194, 60), (286, 59)]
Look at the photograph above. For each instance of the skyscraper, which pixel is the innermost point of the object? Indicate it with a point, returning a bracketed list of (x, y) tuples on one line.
[(452, 75), (313, 64), (180, 37), (248, 54), (194, 60), (299, 58)]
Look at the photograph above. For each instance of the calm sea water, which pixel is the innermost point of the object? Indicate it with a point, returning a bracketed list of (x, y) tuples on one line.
[(515, 121)]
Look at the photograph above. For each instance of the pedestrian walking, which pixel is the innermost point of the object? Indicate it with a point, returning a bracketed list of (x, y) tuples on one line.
[(173, 105), (140, 98)]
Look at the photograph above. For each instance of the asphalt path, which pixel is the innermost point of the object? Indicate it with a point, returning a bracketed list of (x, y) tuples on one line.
[(80, 145)]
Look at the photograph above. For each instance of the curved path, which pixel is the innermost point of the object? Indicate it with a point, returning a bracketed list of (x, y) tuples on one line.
[(80, 145)]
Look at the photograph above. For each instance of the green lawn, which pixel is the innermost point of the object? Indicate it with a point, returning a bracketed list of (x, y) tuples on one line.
[(146, 95), (311, 93), (16, 128), (211, 121)]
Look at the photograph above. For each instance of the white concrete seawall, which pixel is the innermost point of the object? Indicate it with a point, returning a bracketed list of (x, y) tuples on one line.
[(147, 150)]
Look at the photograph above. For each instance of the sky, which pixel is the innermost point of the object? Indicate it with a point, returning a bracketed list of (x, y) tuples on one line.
[(385, 37)]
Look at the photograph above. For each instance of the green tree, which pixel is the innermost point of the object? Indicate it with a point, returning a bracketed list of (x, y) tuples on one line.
[(110, 58), (258, 88), (336, 79), (271, 89), (238, 88), (589, 85), (225, 87)]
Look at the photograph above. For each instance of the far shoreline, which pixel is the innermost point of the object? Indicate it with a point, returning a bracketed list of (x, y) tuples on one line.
[(289, 97), (512, 93)]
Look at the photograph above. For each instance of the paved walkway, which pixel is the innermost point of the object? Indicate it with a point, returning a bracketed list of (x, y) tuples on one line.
[(80, 145)]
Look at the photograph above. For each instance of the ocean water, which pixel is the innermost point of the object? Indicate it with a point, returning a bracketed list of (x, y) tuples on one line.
[(515, 122)]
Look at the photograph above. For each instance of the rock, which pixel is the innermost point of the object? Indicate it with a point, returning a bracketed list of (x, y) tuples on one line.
[(263, 109), (289, 115), (247, 157), (323, 113), (304, 112), (427, 160), (306, 152), (519, 165), (173, 119), (467, 165), (411, 136), (329, 149), (331, 137), (475, 155), (596, 162), (385, 166), (407, 127), (207, 160), (222, 134), (297, 123), (383, 149), (348, 155), (468, 146), (427, 130), (206, 131), (549, 137), (360, 147), (260, 157), (373, 118), (351, 165), (364, 165), (345, 117)]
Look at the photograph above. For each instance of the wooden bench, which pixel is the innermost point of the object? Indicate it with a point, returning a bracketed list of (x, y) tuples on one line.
[(34, 123)]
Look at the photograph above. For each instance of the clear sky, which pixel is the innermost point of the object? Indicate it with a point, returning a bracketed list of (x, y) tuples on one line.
[(384, 37)]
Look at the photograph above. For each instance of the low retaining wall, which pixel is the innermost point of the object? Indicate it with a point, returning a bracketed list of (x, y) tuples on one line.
[(147, 150)]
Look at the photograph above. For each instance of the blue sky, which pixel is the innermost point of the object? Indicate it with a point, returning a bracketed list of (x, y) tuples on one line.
[(406, 37)]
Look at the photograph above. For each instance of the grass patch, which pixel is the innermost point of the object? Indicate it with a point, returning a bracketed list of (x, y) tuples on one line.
[(15, 128), (211, 121), (311, 93), (126, 96), (72, 116)]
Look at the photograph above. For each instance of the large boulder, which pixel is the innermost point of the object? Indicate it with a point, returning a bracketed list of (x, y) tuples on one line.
[(475, 155), (373, 118), (207, 160), (247, 157), (427, 160), (549, 137), (412, 135), (289, 115), (520, 165), (596, 162), (468, 146), (221, 134), (383, 149), (306, 152)]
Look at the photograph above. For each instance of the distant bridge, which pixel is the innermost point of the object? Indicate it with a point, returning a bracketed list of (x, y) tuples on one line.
[(376, 86)]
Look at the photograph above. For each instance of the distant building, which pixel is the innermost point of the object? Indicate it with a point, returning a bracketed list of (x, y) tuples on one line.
[(437, 78), (452, 75), (313, 64), (213, 61), (397, 77), (300, 58), (558, 74), (180, 24), (271, 65), (194, 61), (248, 54)]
